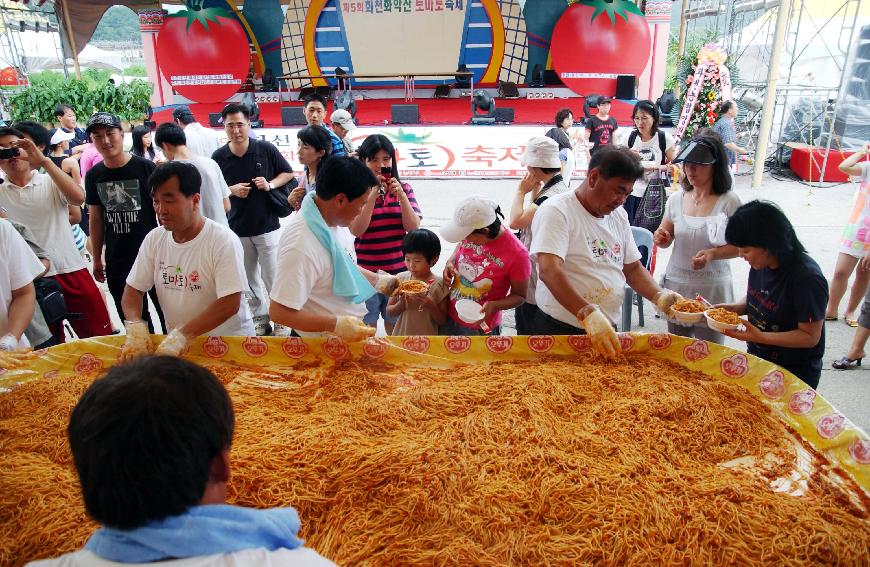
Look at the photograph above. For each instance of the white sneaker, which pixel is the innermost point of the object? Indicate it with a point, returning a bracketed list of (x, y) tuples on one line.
[(263, 329)]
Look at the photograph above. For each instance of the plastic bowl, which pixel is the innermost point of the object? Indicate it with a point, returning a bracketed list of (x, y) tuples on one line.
[(688, 318), (718, 325), (469, 311)]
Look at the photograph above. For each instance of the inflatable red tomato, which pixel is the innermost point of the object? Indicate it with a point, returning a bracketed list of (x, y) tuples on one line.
[(599, 37), (203, 53)]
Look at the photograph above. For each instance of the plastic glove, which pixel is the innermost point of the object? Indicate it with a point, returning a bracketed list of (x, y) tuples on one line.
[(138, 341), (665, 299), (352, 329), (174, 343), (600, 331), (386, 284), (8, 343)]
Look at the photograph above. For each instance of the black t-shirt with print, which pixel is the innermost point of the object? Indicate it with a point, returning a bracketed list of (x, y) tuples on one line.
[(128, 212), (255, 214), (777, 300), (601, 131)]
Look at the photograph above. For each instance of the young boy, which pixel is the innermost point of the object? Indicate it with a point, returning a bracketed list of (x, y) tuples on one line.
[(600, 128), (420, 314)]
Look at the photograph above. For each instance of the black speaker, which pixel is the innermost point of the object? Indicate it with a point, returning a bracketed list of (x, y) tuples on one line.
[(214, 119), (293, 116), (406, 114), (443, 91), (504, 115), (507, 89), (625, 88)]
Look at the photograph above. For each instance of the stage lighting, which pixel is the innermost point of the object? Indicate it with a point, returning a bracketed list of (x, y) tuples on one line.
[(250, 101), (752, 101), (537, 81), (344, 101), (462, 81), (483, 102)]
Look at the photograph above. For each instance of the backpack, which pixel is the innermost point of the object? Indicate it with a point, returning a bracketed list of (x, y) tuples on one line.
[(662, 142)]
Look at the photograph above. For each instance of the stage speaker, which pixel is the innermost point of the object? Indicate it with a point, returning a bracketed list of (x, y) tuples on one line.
[(504, 115), (551, 77), (507, 89), (214, 119), (625, 87), (406, 114), (443, 91), (293, 116)]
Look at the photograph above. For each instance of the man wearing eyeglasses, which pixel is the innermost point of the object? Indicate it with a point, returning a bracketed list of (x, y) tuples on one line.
[(254, 171), (121, 212)]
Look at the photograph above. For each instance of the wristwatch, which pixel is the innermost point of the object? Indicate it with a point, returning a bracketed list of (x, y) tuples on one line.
[(271, 186)]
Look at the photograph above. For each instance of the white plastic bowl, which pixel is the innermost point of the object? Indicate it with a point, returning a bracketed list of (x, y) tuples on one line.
[(687, 318), (469, 311), (717, 325)]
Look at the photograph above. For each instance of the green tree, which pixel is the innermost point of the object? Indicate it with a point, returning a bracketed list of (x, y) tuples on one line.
[(136, 71), (119, 23)]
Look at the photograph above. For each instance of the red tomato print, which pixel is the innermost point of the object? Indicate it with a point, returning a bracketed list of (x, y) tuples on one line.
[(203, 52), (599, 37)]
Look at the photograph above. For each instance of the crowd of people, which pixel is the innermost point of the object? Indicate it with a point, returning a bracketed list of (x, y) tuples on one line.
[(194, 226)]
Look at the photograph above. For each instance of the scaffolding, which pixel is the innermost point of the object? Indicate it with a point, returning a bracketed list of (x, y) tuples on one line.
[(806, 104)]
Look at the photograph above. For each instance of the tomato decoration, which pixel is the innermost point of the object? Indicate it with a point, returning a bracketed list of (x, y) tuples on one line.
[(203, 52), (597, 39)]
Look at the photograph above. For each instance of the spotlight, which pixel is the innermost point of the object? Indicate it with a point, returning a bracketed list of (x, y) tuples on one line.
[(486, 105), (345, 101)]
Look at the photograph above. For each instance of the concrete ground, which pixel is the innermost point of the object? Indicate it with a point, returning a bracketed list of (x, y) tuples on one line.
[(818, 215)]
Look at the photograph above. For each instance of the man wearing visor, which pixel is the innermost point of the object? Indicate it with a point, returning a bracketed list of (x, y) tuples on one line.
[(585, 252)]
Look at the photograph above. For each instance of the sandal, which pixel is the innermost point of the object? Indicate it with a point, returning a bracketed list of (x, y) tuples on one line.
[(831, 317), (844, 363), (852, 322)]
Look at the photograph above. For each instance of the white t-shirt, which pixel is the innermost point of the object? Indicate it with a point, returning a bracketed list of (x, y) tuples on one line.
[(41, 207), (201, 141), (189, 277), (594, 251), (304, 275), (650, 155), (299, 557), (19, 266), (213, 190)]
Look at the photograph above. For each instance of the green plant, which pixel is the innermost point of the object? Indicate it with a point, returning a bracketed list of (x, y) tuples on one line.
[(38, 101), (136, 71)]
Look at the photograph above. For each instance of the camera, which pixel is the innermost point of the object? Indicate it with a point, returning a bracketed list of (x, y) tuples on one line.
[(387, 173), (8, 153)]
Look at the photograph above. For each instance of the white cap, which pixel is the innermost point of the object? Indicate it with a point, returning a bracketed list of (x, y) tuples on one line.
[(541, 151), (343, 119), (59, 136), (471, 214)]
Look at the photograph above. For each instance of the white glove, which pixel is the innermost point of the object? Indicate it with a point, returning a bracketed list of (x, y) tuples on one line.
[(665, 299), (174, 343), (352, 329), (8, 343), (386, 284), (600, 331), (138, 341)]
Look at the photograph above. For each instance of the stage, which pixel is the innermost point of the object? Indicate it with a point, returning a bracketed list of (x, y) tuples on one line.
[(442, 111)]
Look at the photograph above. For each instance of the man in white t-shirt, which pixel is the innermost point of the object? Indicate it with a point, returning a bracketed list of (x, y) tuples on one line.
[(201, 141), (159, 489), (19, 266), (214, 193), (40, 202), (585, 252), (316, 257), (194, 264)]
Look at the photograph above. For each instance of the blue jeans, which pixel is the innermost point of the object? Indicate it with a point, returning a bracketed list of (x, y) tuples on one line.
[(377, 307)]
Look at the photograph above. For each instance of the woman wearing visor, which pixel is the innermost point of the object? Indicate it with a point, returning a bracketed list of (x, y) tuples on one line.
[(694, 222)]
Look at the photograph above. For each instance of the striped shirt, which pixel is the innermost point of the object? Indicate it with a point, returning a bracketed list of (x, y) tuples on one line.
[(337, 144), (380, 247)]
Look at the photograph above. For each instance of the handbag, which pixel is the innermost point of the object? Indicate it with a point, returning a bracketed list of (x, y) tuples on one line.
[(49, 297), (651, 210), (278, 198)]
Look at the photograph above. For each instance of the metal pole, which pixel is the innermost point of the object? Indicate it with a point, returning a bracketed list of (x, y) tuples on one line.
[(681, 47), (844, 81), (770, 96), (72, 39)]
